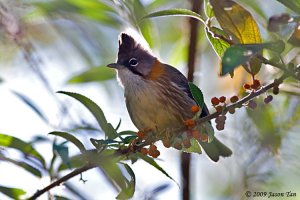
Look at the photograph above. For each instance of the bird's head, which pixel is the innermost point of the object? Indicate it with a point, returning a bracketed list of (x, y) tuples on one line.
[(134, 61)]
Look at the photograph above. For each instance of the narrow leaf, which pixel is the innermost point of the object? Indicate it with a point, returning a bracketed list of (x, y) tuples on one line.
[(24, 147), (128, 192), (152, 162), (34, 171), (128, 133), (175, 12), (92, 107), (94, 74), (63, 152), (14, 193), (197, 94), (31, 104), (70, 138)]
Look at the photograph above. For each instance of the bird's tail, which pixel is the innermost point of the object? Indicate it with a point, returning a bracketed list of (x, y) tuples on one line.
[(215, 149)]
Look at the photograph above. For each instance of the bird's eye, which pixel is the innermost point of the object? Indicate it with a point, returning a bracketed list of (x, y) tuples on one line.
[(133, 62)]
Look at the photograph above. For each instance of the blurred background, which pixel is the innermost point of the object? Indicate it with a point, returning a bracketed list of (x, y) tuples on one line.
[(52, 45)]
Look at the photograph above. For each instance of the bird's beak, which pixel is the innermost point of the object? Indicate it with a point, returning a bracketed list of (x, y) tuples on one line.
[(114, 65)]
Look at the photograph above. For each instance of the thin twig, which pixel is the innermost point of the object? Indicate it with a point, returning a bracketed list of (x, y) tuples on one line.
[(61, 180), (244, 100)]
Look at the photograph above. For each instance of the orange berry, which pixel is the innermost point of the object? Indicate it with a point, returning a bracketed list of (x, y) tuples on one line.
[(187, 143), (246, 86), (215, 101), (203, 137), (190, 123), (152, 147), (195, 108), (222, 99), (144, 151), (166, 143), (219, 108), (155, 154), (196, 134), (234, 99), (141, 134)]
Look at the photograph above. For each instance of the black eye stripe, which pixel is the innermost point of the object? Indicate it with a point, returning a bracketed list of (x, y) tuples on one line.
[(133, 70)]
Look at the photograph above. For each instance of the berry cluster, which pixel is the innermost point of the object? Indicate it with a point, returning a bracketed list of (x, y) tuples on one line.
[(254, 86), (151, 151), (220, 103)]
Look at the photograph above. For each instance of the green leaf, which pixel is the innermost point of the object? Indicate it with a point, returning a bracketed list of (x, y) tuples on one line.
[(152, 162), (92, 107), (242, 53), (94, 74), (56, 197), (24, 147), (23, 165), (175, 12), (133, 133), (291, 4), (31, 104), (114, 173), (70, 138), (218, 44), (63, 152), (111, 132), (119, 124), (14, 193), (195, 147), (208, 9), (197, 94), (130, 189), (129, 139), (237, 22)]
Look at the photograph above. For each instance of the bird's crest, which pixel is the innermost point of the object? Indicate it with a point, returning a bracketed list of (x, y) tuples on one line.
[(126, 43)]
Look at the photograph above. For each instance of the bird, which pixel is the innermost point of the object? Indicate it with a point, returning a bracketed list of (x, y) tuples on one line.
[(157, 95)]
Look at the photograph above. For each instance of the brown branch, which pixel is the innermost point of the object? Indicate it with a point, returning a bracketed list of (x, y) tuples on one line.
[(192, 52), (61, 180), (244, 100)]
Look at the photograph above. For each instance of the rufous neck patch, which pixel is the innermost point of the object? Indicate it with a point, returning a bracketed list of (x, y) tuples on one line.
[(157, 70)]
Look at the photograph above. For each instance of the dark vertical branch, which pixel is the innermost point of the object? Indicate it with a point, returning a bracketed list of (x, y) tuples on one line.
[(193, 23), (185, 157)]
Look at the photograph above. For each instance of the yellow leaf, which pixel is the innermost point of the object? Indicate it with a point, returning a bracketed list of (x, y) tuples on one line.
[(237, 22)]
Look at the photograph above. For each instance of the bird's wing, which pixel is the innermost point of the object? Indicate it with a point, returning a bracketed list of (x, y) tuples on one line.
[(179, 79)]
